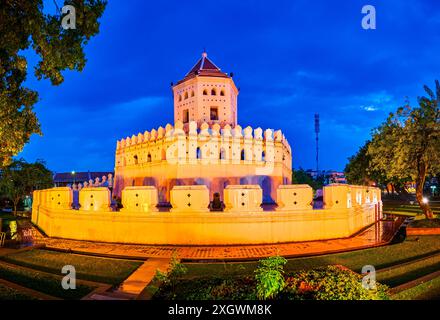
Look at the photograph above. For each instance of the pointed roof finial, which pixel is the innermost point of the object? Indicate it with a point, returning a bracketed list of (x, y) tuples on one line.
[(204, 54)]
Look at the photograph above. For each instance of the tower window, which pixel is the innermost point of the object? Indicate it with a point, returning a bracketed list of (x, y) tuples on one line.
[(186, 95), (180, 97), (213, 92), (149, 157), (198, 153), (205, 93), (214, 113), (135, 158), (242, 155), (192, 93), (222, 93), (185, 116)]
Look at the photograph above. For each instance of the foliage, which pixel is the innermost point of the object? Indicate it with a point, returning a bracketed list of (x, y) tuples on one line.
[(302, 177), (407, 144), (269, 276), (175, 271), (24, 25), (359, 170), (20, 178), (331, 283)]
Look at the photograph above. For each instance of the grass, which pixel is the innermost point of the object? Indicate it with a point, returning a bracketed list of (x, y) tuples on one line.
[(7, 293), (45, 283), (402, 274), (405, 209), (429, 290), (426, 223), (104, 270), (380, 257)]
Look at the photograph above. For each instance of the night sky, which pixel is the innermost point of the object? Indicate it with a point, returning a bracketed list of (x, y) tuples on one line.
[(290, 59)]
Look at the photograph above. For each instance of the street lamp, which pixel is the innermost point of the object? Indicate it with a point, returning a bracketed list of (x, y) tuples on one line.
[(73, 174), (425, 200)]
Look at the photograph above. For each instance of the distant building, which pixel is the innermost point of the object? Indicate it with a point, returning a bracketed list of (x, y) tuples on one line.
[(330, 176), (62, 179)]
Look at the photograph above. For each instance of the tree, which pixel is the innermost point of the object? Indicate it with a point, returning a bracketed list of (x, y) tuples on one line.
[(407, 145), (24, 25), (360, 171), (356, 170), (21, 178), (302, 177)]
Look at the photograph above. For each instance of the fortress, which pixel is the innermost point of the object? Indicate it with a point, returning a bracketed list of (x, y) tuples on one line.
[(205, 153), (206, 145)]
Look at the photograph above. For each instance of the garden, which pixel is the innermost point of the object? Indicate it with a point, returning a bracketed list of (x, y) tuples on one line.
[(400, 270)]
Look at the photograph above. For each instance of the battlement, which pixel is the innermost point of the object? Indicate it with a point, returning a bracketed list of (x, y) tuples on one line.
[(208, 142)]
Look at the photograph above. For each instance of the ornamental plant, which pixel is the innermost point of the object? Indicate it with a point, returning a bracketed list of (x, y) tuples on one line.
[(269, 277)]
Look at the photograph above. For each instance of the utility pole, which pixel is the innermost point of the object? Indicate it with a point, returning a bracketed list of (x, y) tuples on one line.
[(317, 139)]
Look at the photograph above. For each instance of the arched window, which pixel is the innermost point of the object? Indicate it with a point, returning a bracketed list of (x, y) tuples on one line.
[(149, 157), (222, 154), (192, 93), (186, 95), (213, 92), (164, 154), (263, 156), (242, 155), (222, 93), (180, 97), (135, 157), (205, 93), (198, 153)]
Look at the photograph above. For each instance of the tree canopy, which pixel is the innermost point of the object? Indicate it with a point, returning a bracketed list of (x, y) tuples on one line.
[(407, 145), (24, 25), (20, 178)]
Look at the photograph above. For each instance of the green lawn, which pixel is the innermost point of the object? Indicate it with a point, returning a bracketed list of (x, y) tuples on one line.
[(7, 293), (429, 290), (45, 283), (105, 270), (425, 223), (408, 209), (380, 257), (400, 275)]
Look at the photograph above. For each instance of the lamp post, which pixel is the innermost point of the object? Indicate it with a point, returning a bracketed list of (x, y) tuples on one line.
[(73, 174)]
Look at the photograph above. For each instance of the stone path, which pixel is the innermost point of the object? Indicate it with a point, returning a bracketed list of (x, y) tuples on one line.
[(378, 234), (139, 279)]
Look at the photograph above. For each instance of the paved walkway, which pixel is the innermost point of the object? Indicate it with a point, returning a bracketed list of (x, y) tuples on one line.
[(139, 279), (378, 234)]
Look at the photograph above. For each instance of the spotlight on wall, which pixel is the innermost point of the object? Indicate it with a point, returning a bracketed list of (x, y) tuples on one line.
[(425, 200)]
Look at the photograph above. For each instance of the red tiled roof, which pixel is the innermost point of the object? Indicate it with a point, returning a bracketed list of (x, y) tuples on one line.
[(204, 67)]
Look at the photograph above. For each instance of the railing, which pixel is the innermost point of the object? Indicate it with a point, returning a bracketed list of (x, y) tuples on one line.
[(2, 238)]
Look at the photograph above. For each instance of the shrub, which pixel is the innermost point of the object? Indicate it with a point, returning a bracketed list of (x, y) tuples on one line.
[(331, 283), (174, 272), (269, 276)]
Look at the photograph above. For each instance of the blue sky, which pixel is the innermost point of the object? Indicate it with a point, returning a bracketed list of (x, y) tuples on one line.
[(290, 59)]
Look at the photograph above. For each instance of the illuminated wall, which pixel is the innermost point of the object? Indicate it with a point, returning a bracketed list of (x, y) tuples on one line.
[(186, 226), (205, 155)]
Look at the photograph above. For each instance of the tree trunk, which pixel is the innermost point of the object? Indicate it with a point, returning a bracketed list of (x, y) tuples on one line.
[(420, 183)]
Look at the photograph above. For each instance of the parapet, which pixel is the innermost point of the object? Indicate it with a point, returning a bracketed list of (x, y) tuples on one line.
[(294, 197), (139, 199), (94, 199), (193, 198), (243, 198)]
